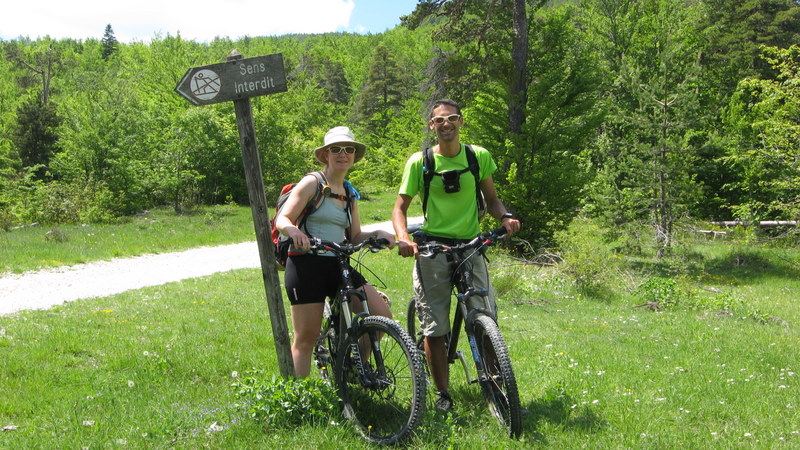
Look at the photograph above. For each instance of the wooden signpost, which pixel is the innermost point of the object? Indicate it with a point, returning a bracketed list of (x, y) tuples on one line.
[(237, 80)]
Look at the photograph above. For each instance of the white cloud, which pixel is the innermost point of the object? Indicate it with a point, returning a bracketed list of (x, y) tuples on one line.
[(200, 20)]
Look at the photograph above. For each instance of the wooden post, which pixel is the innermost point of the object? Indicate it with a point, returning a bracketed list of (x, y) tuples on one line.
[(258, 205)]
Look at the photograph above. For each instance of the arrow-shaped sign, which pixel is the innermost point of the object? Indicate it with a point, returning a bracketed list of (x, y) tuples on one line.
[(233, 80)]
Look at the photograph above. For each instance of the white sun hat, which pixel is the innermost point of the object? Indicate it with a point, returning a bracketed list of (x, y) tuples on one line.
[(340, 136)]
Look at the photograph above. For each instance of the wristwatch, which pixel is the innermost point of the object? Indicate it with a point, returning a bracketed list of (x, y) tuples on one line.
[(508, 215)]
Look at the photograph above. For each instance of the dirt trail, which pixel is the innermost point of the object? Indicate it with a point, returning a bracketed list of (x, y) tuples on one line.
[(45, 288)]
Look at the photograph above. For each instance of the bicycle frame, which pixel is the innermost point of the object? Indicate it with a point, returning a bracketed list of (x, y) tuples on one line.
[(378, 374), (489, 351), (463, 316), (347, 322)]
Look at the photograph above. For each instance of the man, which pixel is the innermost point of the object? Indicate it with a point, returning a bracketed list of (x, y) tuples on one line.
[(451, 216)]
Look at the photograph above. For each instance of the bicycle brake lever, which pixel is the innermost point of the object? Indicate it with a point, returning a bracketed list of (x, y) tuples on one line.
[(426, 251)]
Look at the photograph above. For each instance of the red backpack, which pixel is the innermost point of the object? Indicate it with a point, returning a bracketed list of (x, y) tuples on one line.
[(281, 242)]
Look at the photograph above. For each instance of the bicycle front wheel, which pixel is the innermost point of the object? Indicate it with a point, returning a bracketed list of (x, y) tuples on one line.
[(383, 388), (497, 382), (411, 324)]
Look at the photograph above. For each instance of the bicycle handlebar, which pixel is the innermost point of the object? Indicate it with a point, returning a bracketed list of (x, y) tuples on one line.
[(430, 249), (375, 245)]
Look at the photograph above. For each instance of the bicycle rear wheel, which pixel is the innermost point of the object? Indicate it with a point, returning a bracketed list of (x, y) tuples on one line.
[(387, 402), (499, 384), (325, 354)]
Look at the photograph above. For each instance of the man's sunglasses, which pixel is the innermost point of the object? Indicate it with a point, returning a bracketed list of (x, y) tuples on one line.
[(336, 149), (452, 118)]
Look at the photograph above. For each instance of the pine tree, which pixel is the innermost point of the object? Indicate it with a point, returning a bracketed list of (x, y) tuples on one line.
[(326, 74), (35, 134), (110, 43), (644, 156), (382, 95)]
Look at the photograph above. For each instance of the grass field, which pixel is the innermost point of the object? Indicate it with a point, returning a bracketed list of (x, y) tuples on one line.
[(157, 231), (715, 367)]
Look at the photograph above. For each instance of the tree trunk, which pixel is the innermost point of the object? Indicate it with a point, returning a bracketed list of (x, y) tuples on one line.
[(664, 225), (519, 78)]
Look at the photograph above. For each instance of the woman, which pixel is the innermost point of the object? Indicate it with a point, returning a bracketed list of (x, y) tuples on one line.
[(310, 278)]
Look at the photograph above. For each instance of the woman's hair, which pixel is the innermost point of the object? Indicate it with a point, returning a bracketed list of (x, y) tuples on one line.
[(448, 102)]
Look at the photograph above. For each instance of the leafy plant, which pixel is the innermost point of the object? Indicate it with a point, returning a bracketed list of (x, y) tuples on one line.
[(280, 402), (659, 292)]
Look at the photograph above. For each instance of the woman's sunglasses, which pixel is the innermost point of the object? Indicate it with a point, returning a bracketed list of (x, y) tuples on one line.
[(336, 149), (452, 118)]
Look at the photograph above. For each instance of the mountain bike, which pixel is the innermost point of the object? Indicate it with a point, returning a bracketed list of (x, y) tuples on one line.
[(487, 346), (370, 360)]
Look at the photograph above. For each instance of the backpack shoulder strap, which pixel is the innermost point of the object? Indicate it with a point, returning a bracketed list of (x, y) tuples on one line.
[(321, 182), (474, 167), (316, 199), (428, 171), (351, 194), (472, 162)]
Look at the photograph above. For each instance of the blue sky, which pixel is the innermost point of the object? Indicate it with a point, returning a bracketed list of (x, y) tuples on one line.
[(200, 20)]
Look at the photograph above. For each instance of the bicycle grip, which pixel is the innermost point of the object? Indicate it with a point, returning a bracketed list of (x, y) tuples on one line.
[(499, 232)]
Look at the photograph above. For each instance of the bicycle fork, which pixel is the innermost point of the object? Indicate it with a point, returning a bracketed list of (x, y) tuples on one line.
[(353, 328), (480, 365)]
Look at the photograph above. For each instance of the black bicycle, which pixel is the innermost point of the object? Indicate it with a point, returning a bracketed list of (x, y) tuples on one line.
[(370, 360), (489, 352)]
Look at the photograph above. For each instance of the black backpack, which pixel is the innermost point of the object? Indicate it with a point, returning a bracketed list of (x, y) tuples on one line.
[(429, 171), (281, 242)]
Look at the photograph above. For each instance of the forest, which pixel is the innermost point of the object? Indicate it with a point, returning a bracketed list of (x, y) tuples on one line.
[(640, 114)]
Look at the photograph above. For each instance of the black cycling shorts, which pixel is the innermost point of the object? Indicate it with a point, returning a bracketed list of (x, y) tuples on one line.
[(311, 278)]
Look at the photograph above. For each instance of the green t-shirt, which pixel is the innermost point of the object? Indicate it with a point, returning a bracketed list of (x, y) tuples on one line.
[(453, 215)]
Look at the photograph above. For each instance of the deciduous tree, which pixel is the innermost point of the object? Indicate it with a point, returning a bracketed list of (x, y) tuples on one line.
[(763, 123)]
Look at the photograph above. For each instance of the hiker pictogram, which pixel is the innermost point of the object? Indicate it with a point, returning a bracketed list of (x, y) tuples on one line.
[(205, 84)]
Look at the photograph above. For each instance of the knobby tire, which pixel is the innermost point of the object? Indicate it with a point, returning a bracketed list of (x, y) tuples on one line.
[(499, 386), (390, 406), (411, 325)]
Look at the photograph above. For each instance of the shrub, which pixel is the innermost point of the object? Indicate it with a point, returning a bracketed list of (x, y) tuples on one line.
[(79, 202), (587, 260), (6, 219), (283, 402), (659, 292)]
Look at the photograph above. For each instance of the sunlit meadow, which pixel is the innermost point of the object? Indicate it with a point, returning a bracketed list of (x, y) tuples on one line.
[(153, 368)]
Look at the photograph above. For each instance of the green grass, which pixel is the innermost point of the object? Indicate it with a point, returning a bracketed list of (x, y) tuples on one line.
[(377, 206), (153, 368), (157, 231)]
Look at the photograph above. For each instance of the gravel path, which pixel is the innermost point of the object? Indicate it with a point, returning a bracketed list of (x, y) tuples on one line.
[(45, 288)]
